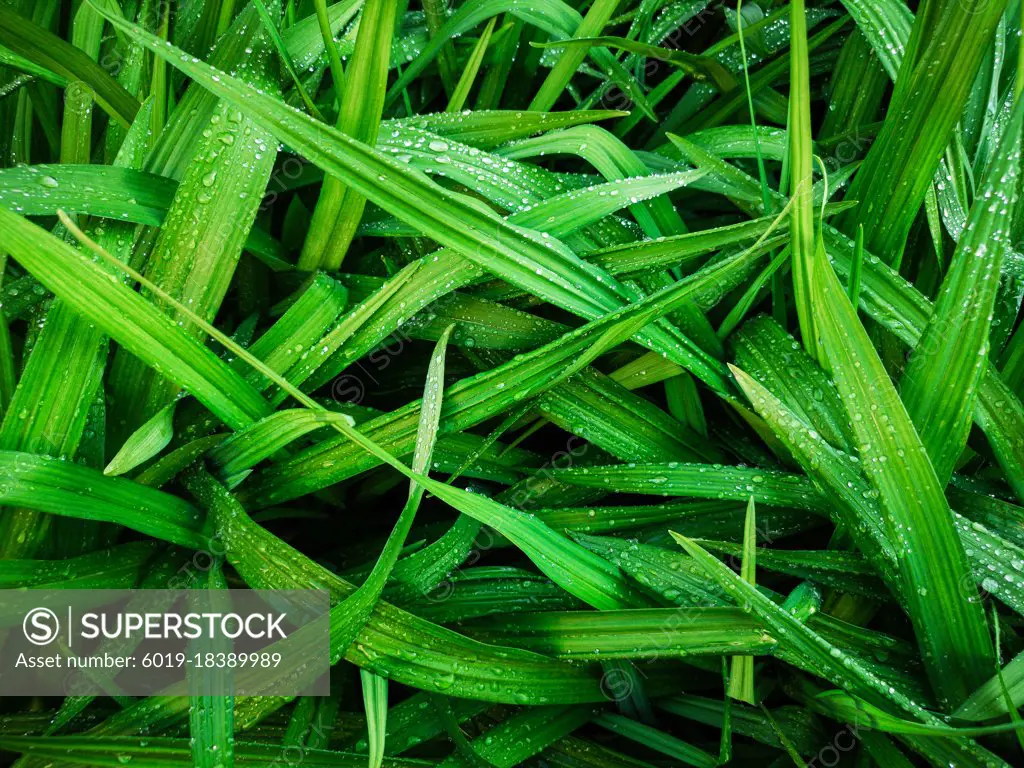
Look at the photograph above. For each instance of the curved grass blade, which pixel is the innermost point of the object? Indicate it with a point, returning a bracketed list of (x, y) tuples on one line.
[(54, 486), (990, 700), (248, 447), (940, 384), (539, 265), (145, 443), (45, 49), (771, 356), (948, 623), (201, 240), (501, 674), (490, 128), (48, 414), (421, 572), (106, 191), (266, 562), (596, 582), (931, 90), (130, 320), (122, 565), (846, 708), (468, 402), (683, 583), (899, 307), (238, 525), (829, 660), (357, 609)]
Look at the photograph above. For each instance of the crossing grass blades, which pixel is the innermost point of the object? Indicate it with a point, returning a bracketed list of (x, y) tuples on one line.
[(642, 379)]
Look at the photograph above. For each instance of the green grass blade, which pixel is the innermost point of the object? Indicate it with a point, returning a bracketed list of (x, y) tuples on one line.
[(211, 718), (569, 60), (989, 700), (158, 752), (523, 735), (948, 623), (76, 127), (800, 727), (931, 89), (662, 742), (106, 191), (145, 443), (573, 297), (53, 486), (132, 321), (375, 700), (512, 677), (801, 171), (247, 447), (328, 44), (630, 634), (846, 571), (123, 565), (462, 88), (435, 13), (741, 678), (282, 50), (941, 381), (488, 129), (357, 609), (47, 50), (452, 221), (897, 306), (213, 210), (48, 414), (846, 670), (339, 208), (764, 350), (469, 402)]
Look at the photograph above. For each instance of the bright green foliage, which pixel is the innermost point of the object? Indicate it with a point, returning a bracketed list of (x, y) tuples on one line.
[(940, 384), (209, 219), (361, 98), (211, 718), (741, 679), (641, 379), (62, 378)]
